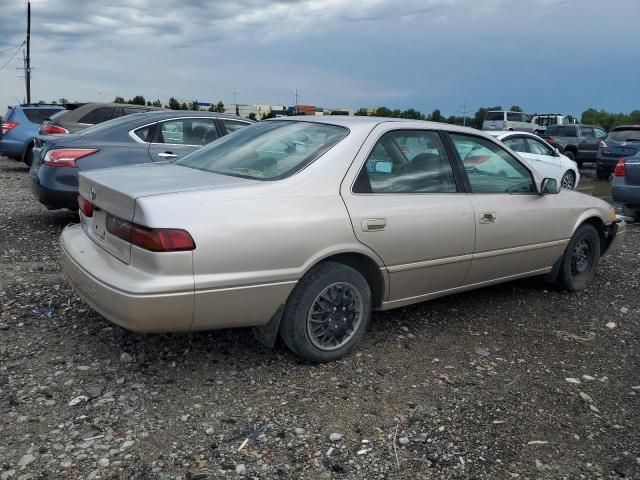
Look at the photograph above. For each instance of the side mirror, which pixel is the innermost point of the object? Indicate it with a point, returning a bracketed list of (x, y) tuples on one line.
[(556, 152), (549, 186)]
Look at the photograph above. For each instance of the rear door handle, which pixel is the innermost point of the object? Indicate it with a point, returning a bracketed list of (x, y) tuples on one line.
[(374, 224), (167, 155)]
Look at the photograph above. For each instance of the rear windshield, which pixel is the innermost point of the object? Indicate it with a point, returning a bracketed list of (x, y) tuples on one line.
[(37, 115), (114, 122), (628, 135), (494, 116), (266, 151)]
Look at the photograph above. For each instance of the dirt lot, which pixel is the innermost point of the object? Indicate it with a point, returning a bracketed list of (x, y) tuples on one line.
[(516, 381)]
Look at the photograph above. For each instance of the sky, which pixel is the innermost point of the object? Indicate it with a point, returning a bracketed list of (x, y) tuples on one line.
[(544, 55)]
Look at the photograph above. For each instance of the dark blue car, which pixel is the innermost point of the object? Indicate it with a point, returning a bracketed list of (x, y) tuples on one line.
[(20, 125), (625, 186), (623, 141), (155, 136)]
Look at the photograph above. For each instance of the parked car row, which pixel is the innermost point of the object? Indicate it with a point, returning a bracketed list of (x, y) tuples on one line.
[(301, 227)]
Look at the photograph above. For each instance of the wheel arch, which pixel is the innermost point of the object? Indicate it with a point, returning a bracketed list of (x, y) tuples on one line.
[(594, 220)]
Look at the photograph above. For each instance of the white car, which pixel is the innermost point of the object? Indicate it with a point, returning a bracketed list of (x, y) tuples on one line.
[(545, 159)]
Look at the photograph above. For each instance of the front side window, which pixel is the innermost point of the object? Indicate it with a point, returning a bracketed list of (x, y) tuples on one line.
[(586, 132), (268, 150), (538, 148), (516, 144), (490, 168), (187, 131), (600, 134), (407, 161), (98, 115)]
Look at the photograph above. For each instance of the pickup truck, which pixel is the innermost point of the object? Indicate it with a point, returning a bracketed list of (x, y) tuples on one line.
[(578, 142)]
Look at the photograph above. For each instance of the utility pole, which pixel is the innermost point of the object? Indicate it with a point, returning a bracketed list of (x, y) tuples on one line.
[(27, 67), (464, 113), (296, 102), (235, 102)]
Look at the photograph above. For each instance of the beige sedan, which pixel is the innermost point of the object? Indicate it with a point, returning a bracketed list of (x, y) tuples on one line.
[(301, 227)]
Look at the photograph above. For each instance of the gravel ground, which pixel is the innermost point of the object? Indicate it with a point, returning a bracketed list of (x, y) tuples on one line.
[(513, 381)]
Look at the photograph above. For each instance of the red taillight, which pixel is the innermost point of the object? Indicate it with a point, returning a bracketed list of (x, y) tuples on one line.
[(153, 239), (66, 157), (86, 207), (619, 170), (52, 130), (550, 140), (7, 126)]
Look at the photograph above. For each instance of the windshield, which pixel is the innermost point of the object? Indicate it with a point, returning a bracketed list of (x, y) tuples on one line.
[(629, 135), (266, 151)]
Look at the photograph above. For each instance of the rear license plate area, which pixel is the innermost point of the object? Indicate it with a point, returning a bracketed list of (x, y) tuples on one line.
[(99, 223)]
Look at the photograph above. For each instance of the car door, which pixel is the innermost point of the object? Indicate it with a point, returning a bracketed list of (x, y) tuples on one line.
[(517, 231), (588, 143), (175, 138), (406, 204), (543, 159)]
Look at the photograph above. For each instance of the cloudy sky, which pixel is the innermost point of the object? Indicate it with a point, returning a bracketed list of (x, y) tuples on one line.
[(545, 55)]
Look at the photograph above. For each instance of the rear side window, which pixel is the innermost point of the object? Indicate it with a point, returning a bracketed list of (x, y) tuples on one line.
[(494, 116), (587, 132), (513, 117), (407, 161), (625, 135), (187, 131), (145, 133), (37, 115), (516, 144), (566, 131), (98, 115), (233, 125)]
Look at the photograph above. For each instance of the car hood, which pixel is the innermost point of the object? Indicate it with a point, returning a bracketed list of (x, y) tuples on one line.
[(116, 189)]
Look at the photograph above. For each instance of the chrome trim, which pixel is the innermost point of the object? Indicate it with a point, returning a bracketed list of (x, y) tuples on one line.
[(474, 256), (139, 140)]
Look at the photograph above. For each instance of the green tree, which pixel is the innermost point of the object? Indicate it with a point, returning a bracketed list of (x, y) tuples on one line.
[(252, 116), (63, 100), (383, 112), (174, 104), (137, 100), (268, 115), (148, 103), (183, 106), (516, 108), (220, 107), (212, 108), (412, 114), (119, 100), (436, 116), (194, 105), (361, 113), (157, 103)]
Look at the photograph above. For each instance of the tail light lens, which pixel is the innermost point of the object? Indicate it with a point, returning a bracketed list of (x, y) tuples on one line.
[(8, 126), (152, 239), (86, 207), (619, 170), (602, 144), (52, 130), (550, 140), (66, 157)]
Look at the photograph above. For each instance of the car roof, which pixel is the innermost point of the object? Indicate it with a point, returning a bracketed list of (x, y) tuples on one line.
[(501, 134), (626, 127)]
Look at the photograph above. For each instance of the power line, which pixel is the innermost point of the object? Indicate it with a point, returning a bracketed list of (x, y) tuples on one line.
[(11, 48), (12, 56)]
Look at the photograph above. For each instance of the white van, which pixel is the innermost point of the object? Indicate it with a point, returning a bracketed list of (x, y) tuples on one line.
[(508, 121)]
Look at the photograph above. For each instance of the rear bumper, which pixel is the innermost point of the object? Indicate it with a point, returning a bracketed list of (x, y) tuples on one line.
[(94, 274), (12, 148), (608, 163), (51, 193), (625, 194)]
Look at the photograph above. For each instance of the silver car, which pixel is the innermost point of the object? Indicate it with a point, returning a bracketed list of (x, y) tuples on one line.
[(301, 227)]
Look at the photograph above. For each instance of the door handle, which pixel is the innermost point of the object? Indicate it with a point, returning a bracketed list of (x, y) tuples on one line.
[(374, 224), (488, 217), (167, 155)]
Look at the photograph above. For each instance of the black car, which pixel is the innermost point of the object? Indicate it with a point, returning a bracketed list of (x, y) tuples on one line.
[(138, 138), (76, 119)]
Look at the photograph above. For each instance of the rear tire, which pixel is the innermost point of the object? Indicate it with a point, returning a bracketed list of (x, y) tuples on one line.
[(602, 174), (580, 259), (568, 180), (310, 327), (27, 156)]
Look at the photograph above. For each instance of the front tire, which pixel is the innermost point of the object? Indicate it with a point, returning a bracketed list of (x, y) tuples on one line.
[(580, 259), (568, 180), (327, 313)]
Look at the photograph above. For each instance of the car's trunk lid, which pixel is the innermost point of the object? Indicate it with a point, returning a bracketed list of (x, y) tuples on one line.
[(616, 149), (114, 191)]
